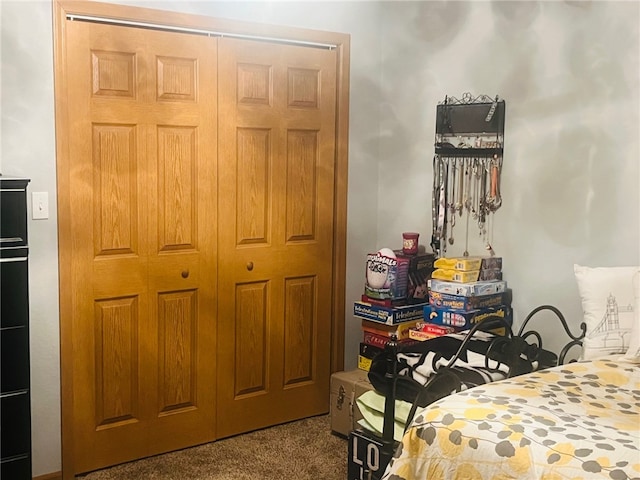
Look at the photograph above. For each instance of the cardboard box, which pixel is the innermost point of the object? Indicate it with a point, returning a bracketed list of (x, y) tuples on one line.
[(400, 330), (490, 274), (345, 388), (379, 340), (468, 289), (491, 263), (375, 339), (460, 302), (456, 275), (469, 263), (388, 315), (364, 363), (435, 329), (421, 336), (465, 320), (400, 278), (462, 264), (419, 272), (366, 355), (426, 331)]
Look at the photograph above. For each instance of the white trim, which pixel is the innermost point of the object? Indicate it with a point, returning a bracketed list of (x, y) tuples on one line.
[(13, 259)]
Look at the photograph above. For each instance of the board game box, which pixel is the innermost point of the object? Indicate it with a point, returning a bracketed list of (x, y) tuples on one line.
[(467, 289), (389, 315), (461, 302), (465, 320)]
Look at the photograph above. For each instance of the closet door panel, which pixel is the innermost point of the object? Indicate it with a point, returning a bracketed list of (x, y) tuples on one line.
[(254, 171), (300, 326), (252, 363), (142, 192), (177, 188), (302, 185), (178, 347), (276, 194), (117, 364)]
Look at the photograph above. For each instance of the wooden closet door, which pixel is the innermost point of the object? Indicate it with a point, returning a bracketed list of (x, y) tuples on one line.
[(276, 196), (142, 191)]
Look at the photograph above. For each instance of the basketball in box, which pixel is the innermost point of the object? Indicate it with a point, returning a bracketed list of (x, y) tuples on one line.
[(465, 320)]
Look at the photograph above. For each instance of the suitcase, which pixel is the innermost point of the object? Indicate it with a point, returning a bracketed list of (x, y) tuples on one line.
[(345, 388)]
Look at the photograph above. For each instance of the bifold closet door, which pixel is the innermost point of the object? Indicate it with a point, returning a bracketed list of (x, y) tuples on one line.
[(276, 198), (142, 198)]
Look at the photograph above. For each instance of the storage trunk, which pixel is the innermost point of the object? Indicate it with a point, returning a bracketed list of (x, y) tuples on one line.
[(345, 388)]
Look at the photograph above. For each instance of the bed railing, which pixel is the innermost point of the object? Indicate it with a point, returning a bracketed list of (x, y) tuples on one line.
[(518, 353)]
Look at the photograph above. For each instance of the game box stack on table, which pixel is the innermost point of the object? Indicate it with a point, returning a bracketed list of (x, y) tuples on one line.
[(462, 292), (395, 294), (393, 302)]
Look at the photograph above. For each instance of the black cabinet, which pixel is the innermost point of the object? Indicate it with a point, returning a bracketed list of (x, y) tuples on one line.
[(15, 400)]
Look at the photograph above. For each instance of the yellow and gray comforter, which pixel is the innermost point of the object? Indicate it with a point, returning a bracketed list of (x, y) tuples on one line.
[(576, 421)]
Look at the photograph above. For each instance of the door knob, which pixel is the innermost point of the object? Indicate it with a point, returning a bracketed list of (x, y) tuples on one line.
[(185, 273), (250, 266)]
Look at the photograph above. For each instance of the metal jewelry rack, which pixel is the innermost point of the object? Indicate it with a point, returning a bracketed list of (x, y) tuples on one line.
[(467, 166)]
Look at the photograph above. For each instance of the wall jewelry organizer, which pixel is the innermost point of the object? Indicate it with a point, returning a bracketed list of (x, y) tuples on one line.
[(466, 168)]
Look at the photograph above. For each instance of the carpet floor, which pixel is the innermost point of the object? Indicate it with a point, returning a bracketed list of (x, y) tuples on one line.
[(301, 450)]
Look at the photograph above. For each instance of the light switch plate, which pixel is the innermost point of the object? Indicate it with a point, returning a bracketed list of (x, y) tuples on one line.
[(40, 205)]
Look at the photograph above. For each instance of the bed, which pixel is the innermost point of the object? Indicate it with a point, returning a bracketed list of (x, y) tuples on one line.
[(420, 375), (579, 420)]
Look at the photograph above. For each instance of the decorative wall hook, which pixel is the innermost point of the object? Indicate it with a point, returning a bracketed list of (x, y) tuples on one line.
[(467, 166)]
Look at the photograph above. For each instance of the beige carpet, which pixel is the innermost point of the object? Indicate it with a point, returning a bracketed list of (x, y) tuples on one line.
[(302, 450)]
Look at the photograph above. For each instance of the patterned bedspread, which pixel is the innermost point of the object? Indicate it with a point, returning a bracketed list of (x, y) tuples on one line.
[(577, 421)]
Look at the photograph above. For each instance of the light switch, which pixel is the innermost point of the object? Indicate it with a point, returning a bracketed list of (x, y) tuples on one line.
[(39, 205)]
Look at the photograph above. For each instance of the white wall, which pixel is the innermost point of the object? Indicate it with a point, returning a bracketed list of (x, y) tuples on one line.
[(28, 150), (567, 70), (570, 75)]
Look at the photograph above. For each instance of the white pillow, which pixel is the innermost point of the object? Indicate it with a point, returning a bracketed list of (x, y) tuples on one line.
[(607, 295), (633, 352)]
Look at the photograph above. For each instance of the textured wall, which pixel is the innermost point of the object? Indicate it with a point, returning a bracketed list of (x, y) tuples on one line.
[(569, 73), (567, 70)]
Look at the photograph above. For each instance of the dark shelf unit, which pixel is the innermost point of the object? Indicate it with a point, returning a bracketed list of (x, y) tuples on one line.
[(469, 140), (468, 152), (15, 397)]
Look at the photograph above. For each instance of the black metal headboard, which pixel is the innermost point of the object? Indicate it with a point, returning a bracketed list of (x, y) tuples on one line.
[(521, 353)]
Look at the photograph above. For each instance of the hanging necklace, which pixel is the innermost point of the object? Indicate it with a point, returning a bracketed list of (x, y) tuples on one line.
[(452, 197)]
